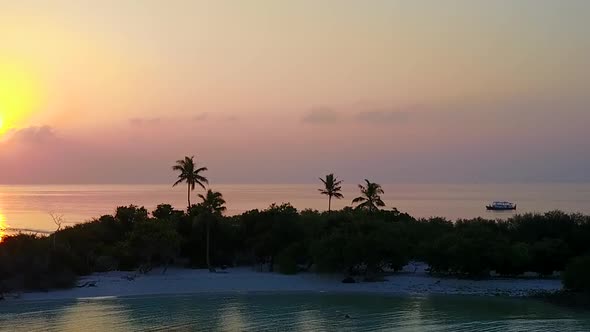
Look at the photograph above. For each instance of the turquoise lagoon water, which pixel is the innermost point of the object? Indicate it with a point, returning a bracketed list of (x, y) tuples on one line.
[(291, 312)]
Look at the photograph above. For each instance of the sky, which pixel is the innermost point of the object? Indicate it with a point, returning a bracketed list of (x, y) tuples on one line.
[(266, 91)]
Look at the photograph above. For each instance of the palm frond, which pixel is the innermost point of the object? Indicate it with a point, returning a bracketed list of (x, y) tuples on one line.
[(370, 198), (213, 201), (364, 205), (192, 183), (359, 199), (201, 178)]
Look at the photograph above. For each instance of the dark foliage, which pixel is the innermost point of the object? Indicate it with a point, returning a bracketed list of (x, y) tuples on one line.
[(350, 241), (576, 276)]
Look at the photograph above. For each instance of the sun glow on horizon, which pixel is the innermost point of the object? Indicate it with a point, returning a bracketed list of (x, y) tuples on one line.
[(18, 96)]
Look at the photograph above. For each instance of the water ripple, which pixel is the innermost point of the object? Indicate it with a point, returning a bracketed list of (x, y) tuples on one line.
[(291, 312)]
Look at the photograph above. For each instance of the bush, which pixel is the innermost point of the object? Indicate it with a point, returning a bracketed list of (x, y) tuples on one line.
[(576, 276), (124, 255), (287, 263), (549, 255), (512, 259), (64, 279), (105, 264)]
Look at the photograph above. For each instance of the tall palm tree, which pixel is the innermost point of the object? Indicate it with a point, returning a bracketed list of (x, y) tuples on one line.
[(331, 189), (214, 206), (371, 197), (189, 174)]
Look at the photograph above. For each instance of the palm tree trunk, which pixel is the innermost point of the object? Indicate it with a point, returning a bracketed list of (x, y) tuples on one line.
[(189, 197), (208, 245), (329, 203)]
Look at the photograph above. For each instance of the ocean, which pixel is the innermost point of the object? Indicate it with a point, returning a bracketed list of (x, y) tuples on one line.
[(291, 312), (30, 207)]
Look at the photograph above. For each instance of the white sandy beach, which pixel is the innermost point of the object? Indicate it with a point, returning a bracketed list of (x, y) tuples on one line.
[(188, 281)]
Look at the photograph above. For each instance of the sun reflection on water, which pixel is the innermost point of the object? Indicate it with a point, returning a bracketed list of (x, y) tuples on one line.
[(2, 226)]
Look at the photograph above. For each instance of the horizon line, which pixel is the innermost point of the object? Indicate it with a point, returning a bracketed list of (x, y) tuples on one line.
[(296, 183)]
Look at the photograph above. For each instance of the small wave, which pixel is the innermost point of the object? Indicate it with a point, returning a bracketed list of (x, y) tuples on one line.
[(97, 298)]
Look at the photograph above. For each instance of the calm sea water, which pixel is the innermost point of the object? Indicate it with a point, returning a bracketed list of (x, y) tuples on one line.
[(29, 207), (292, 312)]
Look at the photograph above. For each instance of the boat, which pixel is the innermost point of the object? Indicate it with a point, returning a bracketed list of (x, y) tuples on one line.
[(501, 206)]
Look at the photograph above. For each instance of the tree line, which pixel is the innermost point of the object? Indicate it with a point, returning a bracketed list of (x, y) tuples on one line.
[(366, 241)]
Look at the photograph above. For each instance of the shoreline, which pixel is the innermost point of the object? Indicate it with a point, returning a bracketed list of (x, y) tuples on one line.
[(181, 281)]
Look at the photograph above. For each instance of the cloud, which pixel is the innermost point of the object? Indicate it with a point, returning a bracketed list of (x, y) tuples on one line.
[(382, 117), (140, 122), (32, 135), (181, 120), (214, 117), (356, 115), (231, 118), (201, 116), (321, 115)]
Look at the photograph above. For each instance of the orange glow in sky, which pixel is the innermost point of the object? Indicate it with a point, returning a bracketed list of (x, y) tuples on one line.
[(391, 90)]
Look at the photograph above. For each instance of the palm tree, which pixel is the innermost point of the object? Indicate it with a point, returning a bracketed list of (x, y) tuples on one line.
[(370, 199), (214, 206), (190, 175), (213, 202), (331, 189)]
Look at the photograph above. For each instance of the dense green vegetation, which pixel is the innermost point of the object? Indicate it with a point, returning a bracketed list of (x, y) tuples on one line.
[(576, 276), (365, 240), (350, 241)]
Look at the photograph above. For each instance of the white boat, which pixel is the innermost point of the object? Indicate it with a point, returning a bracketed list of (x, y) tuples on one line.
[(501, 206)]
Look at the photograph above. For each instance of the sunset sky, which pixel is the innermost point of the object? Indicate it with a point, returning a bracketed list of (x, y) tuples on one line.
[(267, 91)]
